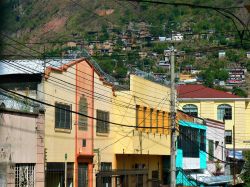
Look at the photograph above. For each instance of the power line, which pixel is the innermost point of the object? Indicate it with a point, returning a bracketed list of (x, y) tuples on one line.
[(72, 111)]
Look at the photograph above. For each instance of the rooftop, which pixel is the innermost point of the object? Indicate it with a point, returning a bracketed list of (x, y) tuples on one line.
[(200, 91)]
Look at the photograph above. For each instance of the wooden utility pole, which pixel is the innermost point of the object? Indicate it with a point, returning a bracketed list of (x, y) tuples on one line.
[(234, 166), (173, 124), (65, 171)]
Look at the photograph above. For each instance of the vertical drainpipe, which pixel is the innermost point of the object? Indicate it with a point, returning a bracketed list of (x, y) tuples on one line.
[(92, 125), (76, 128), (92, 121)]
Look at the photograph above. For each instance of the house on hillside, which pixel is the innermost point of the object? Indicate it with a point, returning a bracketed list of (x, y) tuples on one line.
[(236, 76)]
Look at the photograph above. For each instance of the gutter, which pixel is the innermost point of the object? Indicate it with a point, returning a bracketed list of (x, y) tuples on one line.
[(213, 99)]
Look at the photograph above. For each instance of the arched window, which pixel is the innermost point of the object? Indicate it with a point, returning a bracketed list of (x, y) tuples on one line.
[(83, 109), (191, 110), (224, 111)]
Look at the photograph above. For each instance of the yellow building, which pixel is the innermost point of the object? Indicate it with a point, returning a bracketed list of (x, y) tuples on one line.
[(204, 102), (136, 148)]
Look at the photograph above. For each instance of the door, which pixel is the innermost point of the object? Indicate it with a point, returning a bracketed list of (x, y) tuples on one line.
[(83, 175)]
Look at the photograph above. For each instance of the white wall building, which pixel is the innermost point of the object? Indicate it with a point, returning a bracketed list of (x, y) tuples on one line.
[(215, 146)]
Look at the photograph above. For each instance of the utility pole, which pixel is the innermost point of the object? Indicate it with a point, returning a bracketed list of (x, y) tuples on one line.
[(65, 171), (234, 167), (173, 125)]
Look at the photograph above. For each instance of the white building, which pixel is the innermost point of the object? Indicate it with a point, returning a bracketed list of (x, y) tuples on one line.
[(215, 146)]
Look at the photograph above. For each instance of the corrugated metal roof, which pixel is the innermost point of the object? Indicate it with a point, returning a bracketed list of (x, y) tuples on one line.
[(29, 66)]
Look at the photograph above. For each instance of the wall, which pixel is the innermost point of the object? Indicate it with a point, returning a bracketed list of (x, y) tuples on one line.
[(188, 163), (152, 162), (57, 141), (22, 141), (215, 132), (103, 142), (144, 93)]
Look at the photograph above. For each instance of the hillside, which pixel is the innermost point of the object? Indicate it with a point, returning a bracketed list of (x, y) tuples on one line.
[(120, 35), (51, 20)]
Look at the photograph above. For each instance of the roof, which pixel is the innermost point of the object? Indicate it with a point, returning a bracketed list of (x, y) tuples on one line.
[(200, 91)]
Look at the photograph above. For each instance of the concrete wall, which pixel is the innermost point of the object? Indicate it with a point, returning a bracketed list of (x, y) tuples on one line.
[(59, 141), (144, 93), (215, 132), (103, 142), (22, 142)]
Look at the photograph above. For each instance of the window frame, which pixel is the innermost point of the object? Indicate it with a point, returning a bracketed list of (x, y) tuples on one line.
[(211, 150), (99, 123), (83, 120), (191, 113), (226, 137), (59, 108), (224, 112)]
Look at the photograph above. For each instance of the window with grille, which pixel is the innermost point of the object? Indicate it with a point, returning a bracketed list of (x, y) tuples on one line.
[(106, 166), (228, 136), (24, 175), (191, 110), (224, 112), (189, 136), (62, 116), (83, 109), (210, 150), (102, 124)]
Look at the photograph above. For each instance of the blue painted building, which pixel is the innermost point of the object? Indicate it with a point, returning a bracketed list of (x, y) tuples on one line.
[(191, 155)]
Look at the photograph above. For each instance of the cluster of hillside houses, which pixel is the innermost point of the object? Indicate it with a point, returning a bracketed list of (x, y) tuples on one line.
[(66, 123)]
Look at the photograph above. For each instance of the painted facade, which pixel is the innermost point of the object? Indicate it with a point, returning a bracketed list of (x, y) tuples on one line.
[(103, 138), (208, 104), (22, 148), (190, 158), (135, 149), (215, 146), (70, 86)]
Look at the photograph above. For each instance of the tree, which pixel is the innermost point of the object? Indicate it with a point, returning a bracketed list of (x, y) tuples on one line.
[(246, 173), (239, 92)]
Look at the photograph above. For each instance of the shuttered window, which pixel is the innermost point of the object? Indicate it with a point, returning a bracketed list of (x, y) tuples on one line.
[(83, 109), (102, 124), (62, 116), (211, 150)]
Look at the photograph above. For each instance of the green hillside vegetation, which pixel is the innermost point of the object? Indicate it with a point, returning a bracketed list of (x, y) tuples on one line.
[(52, 22)]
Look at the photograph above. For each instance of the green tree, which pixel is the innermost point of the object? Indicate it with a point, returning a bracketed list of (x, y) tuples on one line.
[(238, 91), (246, 173), (208, 77)]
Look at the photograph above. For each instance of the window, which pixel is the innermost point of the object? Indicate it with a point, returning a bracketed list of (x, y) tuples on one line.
[(228, 136), (210, 150), (202, 140), (83, 142), (83, 109), (102, 124), (224, 112), (189, 136), (157, 120), (24, 175), (191, 110), (62, 116), (106, 166)]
